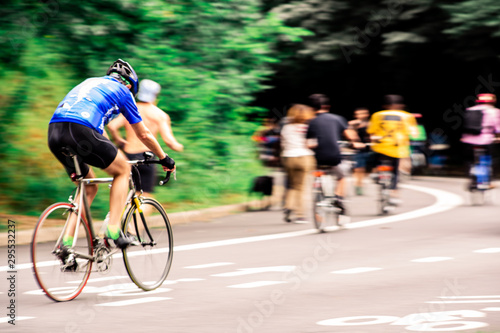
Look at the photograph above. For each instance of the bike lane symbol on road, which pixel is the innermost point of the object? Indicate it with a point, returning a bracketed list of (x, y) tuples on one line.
[(443, 321)]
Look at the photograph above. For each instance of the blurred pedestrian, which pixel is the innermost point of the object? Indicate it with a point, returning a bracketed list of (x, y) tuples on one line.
[(268, 140), (362, 156), (297, 159)]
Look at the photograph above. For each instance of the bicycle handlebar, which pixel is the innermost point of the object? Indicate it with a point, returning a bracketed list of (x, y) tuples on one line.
[(148, 161)]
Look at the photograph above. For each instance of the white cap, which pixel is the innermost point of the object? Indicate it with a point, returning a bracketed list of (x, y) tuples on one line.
[(148, 90)]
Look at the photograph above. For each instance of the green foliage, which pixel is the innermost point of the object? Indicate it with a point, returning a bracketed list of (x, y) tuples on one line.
[(343, 29), (469, 15), (475, 29), (210, 57)]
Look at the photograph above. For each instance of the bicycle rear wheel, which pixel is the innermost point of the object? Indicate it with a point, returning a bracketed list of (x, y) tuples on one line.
[(57, 281), (148, 264), (384, 199), (477, 197)]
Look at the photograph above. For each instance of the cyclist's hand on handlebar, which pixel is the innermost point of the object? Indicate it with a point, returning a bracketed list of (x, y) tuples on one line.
[(168, 163)]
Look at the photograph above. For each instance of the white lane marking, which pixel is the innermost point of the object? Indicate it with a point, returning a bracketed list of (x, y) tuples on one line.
[(356, 321), (246, 271), (432, 259), (109, 278), (182, 280), (465, 302), (215, 264), (438, 316), (135, 301), (236, 241), (446, 326), (190, 280), (444, 201), (489, 250), (491, 309), (465, 297), (133, 292), (357, 270), (256, 284), (6, 319)]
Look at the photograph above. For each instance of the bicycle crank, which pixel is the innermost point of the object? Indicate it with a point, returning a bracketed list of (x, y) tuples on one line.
[(103, 259)]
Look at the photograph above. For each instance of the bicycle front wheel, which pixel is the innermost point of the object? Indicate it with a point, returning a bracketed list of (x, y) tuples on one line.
[(59, 281), (148, 264)]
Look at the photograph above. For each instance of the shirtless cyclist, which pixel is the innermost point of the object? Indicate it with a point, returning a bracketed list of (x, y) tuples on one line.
[(156, 120)]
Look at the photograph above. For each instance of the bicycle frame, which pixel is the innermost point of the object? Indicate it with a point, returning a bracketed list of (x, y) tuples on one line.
[(81, 194), (323, 184)]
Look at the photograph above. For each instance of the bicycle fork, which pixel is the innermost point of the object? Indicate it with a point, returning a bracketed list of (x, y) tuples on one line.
[(137, 204)]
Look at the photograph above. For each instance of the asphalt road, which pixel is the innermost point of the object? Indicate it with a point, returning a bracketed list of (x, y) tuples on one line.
[(431, 265)]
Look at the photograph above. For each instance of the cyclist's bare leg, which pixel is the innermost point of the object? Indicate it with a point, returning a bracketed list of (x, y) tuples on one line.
[(359, 175), (340, 189), (120, 170)]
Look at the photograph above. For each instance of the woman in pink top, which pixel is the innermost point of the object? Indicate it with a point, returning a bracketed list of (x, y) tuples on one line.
[(298, 160)]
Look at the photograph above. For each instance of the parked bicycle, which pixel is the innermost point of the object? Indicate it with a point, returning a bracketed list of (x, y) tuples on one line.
[(62, 272)]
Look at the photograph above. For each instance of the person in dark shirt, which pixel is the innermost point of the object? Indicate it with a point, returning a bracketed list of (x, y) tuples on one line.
[(362, 156), (324, 133)]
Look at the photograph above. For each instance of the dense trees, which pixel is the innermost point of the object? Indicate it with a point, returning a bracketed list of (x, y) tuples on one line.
[(210, 58)]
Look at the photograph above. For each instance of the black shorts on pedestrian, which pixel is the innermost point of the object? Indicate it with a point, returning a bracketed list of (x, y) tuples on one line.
[(146, 171), (91, 147)]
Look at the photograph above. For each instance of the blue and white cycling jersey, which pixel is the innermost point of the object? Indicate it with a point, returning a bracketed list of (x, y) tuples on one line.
[(95, 101)]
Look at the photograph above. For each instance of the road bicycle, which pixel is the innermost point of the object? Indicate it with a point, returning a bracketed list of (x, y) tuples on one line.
[(480, 175), (325, 213), (62, 272), (384, 177)]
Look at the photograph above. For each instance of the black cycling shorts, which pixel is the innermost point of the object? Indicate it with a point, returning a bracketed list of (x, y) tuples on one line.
[(146, 171), (91, 147)]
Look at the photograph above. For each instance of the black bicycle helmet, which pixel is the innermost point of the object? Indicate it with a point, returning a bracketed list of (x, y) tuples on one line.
[(126, 71)]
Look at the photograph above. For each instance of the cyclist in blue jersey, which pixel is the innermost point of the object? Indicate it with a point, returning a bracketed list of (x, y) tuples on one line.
[(77, 127)]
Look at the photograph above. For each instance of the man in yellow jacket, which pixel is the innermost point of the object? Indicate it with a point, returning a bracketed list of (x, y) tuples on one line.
[(390, 131)]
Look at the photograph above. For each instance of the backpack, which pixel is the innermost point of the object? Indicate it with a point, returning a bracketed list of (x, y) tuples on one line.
[(473, 121), (263, 184)]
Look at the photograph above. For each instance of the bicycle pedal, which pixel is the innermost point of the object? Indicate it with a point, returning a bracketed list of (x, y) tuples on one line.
[(70, 266)]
